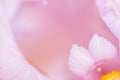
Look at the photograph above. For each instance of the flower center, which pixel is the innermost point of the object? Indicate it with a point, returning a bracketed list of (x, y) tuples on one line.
[(114, 75)]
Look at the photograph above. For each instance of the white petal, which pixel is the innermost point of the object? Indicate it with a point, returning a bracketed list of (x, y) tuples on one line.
[(115, 28), (11, 7), (110, 13), (79, 61), (101, 49)]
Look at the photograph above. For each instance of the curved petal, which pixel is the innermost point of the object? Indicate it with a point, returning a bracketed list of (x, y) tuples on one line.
[(101, 48), (79, 60), (13, 66), (11, 7), (110, 13)]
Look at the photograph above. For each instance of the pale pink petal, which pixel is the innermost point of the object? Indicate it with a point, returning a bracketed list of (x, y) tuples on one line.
[(101, 48), (110, 13), (11, 7), (80, 60), (13, 66)]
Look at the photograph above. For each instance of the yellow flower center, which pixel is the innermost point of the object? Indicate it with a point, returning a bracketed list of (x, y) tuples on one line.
[(114, 75)]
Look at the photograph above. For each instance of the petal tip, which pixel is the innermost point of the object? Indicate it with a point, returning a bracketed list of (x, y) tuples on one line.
[(78, 55), (101, 49)]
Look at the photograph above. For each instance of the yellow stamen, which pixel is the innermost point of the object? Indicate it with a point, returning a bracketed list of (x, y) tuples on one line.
[(114, 75)]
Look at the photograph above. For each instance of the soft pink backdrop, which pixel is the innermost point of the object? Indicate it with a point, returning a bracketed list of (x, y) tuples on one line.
[(46, 32)]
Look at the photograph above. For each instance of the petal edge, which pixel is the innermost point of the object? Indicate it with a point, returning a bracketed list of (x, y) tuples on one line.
[(101, 49), (80, 61)]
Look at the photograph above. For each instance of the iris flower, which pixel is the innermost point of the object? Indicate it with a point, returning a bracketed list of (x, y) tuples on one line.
[(100, 62)]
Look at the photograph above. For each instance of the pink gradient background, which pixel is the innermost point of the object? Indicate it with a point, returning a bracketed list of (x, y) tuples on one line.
[(45, 33)]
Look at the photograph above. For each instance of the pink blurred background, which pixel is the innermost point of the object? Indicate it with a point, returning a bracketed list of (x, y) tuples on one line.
[(46, 30)]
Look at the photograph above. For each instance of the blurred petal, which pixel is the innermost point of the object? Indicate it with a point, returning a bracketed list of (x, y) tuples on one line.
[(11, 7), (80, 60), (101, 48), (13, 66), (110, 13)]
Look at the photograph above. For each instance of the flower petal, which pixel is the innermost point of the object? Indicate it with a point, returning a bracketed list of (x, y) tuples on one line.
[(11, 7), (13, 65), (79, 60), (101, 49), (110, 13)]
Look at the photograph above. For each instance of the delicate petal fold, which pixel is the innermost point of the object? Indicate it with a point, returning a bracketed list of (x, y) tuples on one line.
[(10, 7), (79, 60), (101, 48), (13, 65), (110, 13)]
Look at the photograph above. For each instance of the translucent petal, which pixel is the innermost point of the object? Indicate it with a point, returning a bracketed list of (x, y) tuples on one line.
[(11, 7), (101, 48), (13, 65), (110, 13), (21, 71), (79, 60)]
